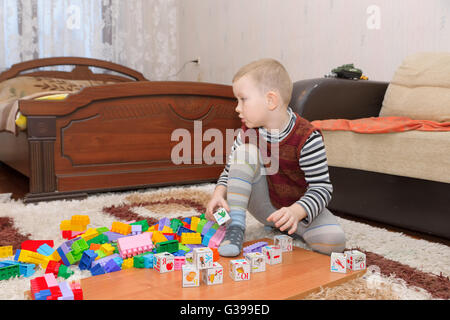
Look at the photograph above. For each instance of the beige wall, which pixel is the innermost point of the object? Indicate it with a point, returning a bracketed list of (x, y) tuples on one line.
[(310, 37)]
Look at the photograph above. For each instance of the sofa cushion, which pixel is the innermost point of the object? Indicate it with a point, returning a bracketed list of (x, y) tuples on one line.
[(420, 88), (415, 154)]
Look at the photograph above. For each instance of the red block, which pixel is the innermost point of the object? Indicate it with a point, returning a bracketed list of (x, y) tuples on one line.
[(55, 293), (53, 267), (77, 291), (33, 245)]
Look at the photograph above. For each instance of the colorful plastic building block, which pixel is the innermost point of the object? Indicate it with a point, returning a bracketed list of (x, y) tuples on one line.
[(6, 251), (142, 223), (163, 223), (217, 238), (256, 247), (170, 246), (45, 250), (121, 228), (191, 238), (9, 271), (134, 245), (33, 245), (194, 223)]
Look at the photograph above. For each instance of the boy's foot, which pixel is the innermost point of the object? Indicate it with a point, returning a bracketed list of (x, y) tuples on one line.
[(231, 245)]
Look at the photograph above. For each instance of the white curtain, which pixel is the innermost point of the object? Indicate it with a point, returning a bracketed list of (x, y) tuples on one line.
[(140, 34)]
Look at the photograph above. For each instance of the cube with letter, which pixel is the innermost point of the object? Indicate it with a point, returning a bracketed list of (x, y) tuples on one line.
[(203, 258), (284, 241), (272, 254), (239, 270), (257, 261), (213, 275), (356, 260), (163, 262), (338, 262), (191, 276)]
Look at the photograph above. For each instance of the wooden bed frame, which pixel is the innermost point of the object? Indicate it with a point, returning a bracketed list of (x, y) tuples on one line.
[(116, 136)]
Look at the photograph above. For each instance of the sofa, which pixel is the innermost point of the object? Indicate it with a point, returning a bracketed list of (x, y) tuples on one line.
[(398, 178)]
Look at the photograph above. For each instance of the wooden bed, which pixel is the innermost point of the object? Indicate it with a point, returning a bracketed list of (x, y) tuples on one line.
[(116, 136)]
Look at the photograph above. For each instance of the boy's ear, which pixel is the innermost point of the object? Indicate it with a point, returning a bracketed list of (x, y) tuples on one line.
[(273, 100)]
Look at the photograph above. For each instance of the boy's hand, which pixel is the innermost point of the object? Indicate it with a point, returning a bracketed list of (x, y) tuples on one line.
[(288, 217), (217, 201)]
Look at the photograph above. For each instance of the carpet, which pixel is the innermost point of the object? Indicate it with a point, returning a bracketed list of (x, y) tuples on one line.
[(399, 267)]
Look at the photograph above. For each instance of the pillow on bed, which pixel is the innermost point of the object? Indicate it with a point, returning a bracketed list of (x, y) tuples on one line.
[(25, 85), (420, 88)]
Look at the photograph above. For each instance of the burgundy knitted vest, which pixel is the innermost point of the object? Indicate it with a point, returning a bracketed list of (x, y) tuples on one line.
[(288, 184)]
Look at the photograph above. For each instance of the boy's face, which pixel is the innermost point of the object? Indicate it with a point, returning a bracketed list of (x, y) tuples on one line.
[(252, 103)]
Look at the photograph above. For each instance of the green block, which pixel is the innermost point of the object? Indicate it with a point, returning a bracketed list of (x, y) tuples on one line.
[(201, 224), (71, 257), (142, 223), (100, 253), (102, 229), (202, 216), (175, 224), (9, 272), (79, 246), (215, 226), (64, 272), (183, 247), (139, 261), (100, 239), (170, 246)]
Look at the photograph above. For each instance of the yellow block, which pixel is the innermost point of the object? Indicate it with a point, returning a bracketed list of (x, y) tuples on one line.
[(158, 237), (127, 263), (34, 257), (90, 233), (121, 228), (167, 229), (194, 223), (107, 248), (65, 225), (6, 251)]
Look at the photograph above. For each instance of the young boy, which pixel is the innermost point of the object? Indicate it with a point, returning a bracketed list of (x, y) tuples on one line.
[(292, 198)]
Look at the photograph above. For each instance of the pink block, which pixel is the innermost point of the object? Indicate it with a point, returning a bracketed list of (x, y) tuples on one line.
[(51, 280), (133, 245), (217, 238)]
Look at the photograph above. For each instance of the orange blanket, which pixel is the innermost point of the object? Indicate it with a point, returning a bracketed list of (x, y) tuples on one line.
[(381, 125)]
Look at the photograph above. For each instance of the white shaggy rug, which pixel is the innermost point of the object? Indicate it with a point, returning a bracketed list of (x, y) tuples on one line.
[(42, 222)]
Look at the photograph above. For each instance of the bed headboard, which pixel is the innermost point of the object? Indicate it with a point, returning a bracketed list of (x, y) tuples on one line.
[(81, 70)]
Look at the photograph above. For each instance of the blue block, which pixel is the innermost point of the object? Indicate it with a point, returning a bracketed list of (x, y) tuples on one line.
[(45, 250), (179, 253), (111, 266), (86, 259), (27, 269), (182, 229), (119, 261), (187, 220), (16, 256), (42, 295), (169, 237), (148, 261), (63, 257), (97, 270)]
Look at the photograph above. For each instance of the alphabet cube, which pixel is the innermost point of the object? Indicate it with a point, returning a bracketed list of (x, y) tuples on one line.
[(203, 258), (338, 262), (191, 276), (256, 261), (163, 262), (272, 254), (239, 270), (213, 275), (221, 216), (284, 241), (356, 260)]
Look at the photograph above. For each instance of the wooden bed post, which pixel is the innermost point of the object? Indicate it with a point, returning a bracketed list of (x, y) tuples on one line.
[(41, 140)]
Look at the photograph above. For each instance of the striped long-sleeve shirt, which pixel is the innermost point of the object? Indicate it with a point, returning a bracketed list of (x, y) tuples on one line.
[(313, 162)]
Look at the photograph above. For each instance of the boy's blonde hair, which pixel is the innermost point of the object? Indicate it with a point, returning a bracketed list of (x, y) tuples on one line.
[(268, 74)]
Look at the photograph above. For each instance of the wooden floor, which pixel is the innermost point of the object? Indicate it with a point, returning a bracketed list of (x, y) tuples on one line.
[(14, 182)]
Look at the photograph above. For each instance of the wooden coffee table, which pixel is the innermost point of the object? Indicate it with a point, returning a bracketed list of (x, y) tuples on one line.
[(301, 273)]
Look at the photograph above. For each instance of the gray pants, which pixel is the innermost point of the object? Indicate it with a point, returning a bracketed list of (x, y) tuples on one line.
[(323, 235)]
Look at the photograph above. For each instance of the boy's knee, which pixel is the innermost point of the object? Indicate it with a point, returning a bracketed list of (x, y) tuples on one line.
[(327, 242)]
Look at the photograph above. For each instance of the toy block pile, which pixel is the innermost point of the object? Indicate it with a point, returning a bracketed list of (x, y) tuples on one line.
[(188, 245)]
